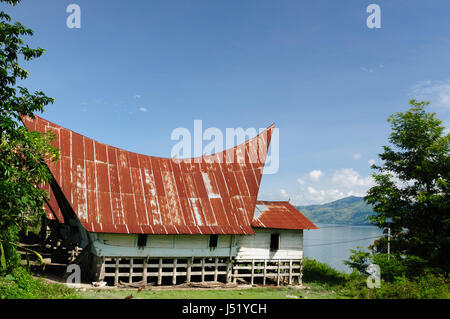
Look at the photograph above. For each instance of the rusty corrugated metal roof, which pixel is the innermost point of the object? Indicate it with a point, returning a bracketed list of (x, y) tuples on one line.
[(280, 215), (116, 191)]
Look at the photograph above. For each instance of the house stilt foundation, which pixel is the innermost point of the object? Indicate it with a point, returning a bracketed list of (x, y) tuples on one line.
[(173, 271)]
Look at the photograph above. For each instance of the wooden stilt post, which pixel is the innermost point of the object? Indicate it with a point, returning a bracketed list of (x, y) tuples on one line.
[(278, 273), (174, 272), (228, 276), (265, 271), (130, 274), (116, 273), (144, 271), (301, 273), (101, 277), (216, 269), (235, 274), (203, 269), (188, 270), (253, 272), (290, 271), (160, 271)]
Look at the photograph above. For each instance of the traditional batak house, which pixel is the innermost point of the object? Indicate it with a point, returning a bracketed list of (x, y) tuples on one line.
[(138, 218)]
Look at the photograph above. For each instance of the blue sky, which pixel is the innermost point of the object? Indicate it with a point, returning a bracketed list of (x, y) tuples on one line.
[(136, 70)]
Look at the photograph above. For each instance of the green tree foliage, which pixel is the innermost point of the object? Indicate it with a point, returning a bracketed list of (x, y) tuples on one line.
[(22, 153), (359, 260), (412, 187)]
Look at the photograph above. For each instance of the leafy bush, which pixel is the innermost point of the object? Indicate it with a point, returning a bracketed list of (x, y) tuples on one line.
[(428, 286), (394, 283), (390, 266), (314, 271), (9, 258)]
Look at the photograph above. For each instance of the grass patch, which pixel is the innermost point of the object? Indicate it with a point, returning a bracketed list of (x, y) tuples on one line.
[(19, 284), (321, 273), (250, 293)]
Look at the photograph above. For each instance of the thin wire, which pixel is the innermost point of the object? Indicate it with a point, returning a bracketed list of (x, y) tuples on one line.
[(343, 242), (344, 226)]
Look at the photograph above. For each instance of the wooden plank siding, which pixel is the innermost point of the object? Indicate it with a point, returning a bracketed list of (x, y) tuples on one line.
[(258, 246), (123, 245)]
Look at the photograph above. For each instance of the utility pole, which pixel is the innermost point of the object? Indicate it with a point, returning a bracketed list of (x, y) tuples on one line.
[(389, 243), (389, 222)]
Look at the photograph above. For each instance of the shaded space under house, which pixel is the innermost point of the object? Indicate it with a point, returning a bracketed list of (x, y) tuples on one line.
[(127, 217)]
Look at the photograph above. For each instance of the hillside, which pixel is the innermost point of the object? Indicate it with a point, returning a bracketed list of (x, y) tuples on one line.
[(350, 210)]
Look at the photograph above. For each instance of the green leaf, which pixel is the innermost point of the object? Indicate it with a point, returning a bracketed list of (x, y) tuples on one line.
[(33, 251), (2, 257), (10, 277)]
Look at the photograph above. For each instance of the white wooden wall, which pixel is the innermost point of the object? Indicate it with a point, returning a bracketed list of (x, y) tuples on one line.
[(258, 246), (125, 245), (166, 241), (247, 246)]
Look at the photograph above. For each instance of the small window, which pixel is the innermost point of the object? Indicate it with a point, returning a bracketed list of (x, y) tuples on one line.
[(142, 240), (213, 241), (274, 241)]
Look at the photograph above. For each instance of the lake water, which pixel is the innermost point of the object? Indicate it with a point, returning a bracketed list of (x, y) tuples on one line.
[(331, 244)]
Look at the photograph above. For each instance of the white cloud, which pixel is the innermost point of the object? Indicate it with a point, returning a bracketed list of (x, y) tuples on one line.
[(284, 193), (348, 177), (373, 69), (137, 96), (315, 175), (356, 156), (368, 70), (143, 109), (311, 190), (438, 92), (371, 162), (318, 188)]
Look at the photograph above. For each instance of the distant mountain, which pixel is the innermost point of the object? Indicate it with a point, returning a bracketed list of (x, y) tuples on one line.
[(350, 210)]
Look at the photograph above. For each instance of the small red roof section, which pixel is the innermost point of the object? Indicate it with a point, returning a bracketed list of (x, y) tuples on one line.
[(279, 215), (116, 191)]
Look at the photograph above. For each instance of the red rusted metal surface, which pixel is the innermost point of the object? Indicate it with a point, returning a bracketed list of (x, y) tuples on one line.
[(280, 215), (115, 191)]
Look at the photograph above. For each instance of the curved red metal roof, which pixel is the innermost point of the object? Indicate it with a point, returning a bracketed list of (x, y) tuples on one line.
[(279, 215), (116, 191)]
